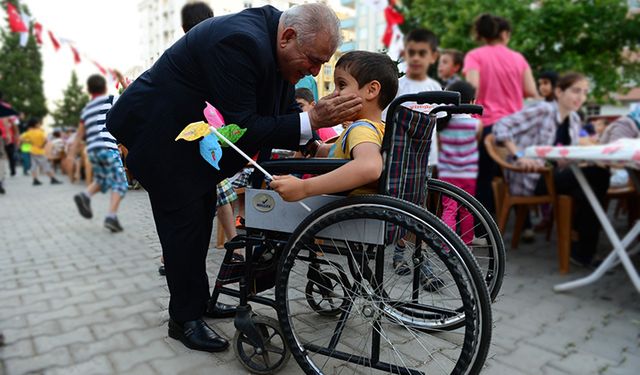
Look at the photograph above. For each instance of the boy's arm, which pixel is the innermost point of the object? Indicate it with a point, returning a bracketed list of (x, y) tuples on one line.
[(366, 167)]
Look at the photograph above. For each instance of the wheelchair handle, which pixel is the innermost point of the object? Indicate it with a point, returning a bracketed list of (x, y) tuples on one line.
[(436, 97), (457, 109)]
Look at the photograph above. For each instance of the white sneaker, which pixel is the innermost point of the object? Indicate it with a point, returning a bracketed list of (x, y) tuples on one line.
[(479, 241)]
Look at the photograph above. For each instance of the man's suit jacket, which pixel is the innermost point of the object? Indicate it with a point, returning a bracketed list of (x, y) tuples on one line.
[(229, 61)]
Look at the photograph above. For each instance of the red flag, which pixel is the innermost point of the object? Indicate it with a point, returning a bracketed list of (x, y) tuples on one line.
[(37, 29), (76, 55), (100, 68), (54, 41), (15, 21)]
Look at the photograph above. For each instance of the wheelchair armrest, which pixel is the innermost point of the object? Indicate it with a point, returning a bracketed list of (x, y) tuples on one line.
[(310, 166)]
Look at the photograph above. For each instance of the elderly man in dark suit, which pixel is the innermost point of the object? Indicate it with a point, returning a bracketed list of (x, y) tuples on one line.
[(245, 64)]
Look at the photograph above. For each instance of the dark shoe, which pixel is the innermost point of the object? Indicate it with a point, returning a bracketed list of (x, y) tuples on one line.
[(432, 284), (36, 182), (112, 224), (2, 191), (578, 259), (84, 205), (528, 236), (220, 310), (401, 267), (162, 271), (55, 182), (197, 335)]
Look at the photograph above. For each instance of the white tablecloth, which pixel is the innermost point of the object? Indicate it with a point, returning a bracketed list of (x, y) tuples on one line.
[(622, 152)]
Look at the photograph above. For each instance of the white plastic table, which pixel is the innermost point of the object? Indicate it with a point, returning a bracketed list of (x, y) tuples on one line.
[(625, 152)]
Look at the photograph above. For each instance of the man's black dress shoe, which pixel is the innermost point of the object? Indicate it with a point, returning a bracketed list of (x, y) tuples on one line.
[(220, 310), (197, 335)]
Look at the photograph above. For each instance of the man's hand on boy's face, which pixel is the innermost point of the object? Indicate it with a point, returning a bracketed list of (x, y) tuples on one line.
[(290, 188), (334, 109)]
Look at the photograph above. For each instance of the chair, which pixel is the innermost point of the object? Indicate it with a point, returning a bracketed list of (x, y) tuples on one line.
[(505, 201), (627, 198)]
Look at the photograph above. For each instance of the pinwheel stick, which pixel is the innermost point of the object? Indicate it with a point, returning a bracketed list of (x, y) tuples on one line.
[(220, 136)]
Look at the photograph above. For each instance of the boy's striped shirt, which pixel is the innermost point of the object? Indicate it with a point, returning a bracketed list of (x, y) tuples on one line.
[(94, 117)]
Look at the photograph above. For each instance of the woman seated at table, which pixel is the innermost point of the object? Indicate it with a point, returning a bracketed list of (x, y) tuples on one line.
[(552, 124)]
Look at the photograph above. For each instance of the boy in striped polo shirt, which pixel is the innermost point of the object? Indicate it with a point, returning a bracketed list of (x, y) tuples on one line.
[(103, 153)]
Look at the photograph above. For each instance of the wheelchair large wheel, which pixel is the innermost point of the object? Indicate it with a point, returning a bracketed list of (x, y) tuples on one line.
[(483, 235), (390, 323)]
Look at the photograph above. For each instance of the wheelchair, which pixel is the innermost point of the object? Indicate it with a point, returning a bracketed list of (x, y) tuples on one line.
[(340, 305)]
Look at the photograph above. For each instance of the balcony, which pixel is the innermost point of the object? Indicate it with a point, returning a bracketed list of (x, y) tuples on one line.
[(347, 46), (348, 23)]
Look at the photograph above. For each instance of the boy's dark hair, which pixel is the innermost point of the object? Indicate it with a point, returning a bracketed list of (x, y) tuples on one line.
[(194, 13), (56, 134), (466, 90), (423, 35), (488, 27), (96, 84), (367, 66), (32, 122), (550, 76), (457, 56), (305, 94)]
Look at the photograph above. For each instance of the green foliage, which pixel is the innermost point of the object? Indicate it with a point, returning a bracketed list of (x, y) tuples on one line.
[(588, 36), (68, 109), (21, 72)]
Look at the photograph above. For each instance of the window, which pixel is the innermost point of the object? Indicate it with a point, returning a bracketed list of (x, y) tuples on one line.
[(327, 70)]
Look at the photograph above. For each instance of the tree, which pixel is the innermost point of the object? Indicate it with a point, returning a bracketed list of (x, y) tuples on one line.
[(591, 36), (68, 111), (21, 71)]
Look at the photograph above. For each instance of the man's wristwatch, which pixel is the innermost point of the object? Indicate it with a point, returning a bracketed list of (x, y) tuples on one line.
[(310, 148)]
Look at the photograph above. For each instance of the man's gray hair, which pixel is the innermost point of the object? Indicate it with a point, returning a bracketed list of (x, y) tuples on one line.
[(309, 20)]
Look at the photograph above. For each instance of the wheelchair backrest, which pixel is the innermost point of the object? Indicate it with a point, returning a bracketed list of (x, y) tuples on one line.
[(407, 144)]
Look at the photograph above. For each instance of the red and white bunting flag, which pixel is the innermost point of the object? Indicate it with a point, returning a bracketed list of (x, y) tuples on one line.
[(76, 55), (54, 41), (393, 17), (24, 36), (15, 21), (100, 68), (37, 30)]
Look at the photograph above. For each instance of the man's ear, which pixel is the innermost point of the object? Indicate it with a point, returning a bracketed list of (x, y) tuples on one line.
[(373, 90), (288, 34)]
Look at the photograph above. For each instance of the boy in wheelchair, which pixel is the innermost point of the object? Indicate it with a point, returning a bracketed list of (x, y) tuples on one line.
[(373, 77)]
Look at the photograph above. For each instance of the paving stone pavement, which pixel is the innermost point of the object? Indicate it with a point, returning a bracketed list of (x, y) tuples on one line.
[(76, 299)]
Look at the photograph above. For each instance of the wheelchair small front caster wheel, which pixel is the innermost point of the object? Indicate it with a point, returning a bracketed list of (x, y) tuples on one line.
[(275, 354), (326, 297)]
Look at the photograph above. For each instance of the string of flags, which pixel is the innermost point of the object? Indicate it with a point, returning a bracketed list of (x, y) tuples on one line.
[(20, 21)]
